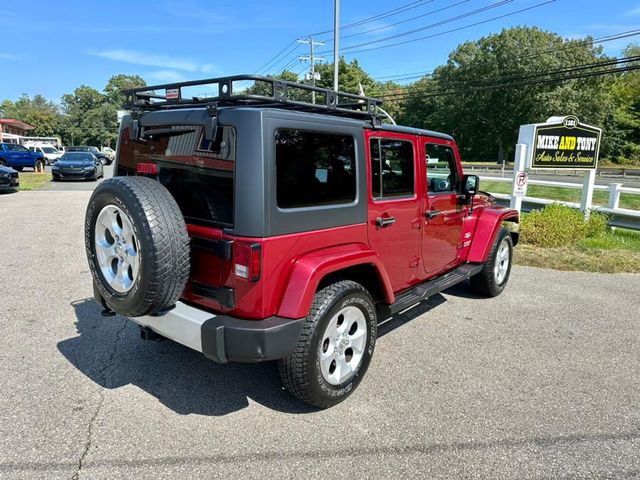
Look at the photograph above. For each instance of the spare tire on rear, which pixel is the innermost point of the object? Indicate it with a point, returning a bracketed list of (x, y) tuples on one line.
[(137, 245)]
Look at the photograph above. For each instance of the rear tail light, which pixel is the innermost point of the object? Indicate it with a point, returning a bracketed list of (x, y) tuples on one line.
[(247, 260)]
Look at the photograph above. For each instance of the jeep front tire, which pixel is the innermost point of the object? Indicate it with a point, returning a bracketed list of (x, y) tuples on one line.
[(137, 245), (335, 347), (493, 277)]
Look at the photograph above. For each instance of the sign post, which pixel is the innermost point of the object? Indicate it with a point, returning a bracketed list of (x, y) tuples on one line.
[(561, 143), (520, 177)]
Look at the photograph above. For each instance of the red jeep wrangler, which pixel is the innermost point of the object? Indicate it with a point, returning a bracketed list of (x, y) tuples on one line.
[(262, 226)]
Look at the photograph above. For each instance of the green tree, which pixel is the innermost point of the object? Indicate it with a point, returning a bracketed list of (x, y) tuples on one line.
[(623, 126), (36, 111), (263, 88), (118, 83), (350, 76), (89, 117), (486, 119)]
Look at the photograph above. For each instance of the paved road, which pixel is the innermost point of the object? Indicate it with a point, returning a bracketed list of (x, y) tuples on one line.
[(541, 382)]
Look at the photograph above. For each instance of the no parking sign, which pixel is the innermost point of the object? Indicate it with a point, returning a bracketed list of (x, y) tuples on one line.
[(520, 183)]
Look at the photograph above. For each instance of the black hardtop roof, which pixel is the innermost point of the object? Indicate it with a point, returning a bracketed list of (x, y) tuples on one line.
[(197, 113), (414, 131)]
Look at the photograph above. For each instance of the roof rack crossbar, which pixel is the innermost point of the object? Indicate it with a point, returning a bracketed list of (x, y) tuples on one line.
[(272, 93)]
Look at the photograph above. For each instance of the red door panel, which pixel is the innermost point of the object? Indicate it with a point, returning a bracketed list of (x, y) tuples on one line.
[(443, 218), (394, 219)]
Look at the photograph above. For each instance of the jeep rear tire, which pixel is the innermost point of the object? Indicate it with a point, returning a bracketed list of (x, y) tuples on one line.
[(493, 277), (335, 347), (137, 245)]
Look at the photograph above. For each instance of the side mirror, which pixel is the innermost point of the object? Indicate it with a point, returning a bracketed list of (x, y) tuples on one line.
[(470, 185)]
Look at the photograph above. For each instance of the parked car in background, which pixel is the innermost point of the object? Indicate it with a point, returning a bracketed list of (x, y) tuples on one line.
[(103, 157), (51, 154), (77, 166), (110, 152), (8, 178), (18, 157)]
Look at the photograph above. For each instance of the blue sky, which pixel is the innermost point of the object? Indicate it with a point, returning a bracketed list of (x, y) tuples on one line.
[(51, 47)]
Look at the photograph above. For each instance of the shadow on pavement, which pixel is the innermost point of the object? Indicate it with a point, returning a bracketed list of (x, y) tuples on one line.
[(110, 352), (463, 290), (396, 321)]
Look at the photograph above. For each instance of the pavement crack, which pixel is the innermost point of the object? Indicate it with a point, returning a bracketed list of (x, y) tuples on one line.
[(102, 392)]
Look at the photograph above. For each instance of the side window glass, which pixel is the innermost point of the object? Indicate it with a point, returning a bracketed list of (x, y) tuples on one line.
[(392, 168), (442, 169), (314, 168)]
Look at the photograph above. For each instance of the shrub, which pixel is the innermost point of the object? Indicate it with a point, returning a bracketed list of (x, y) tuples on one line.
[(557, 226), (597, 225)]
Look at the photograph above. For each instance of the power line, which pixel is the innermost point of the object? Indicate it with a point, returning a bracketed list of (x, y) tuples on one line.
[(431, 25), (285, 58), (395, 11), (388, 13), (573, 73), (411, 19), (512, 79), (275, 57), (453, 30), (569, 44)]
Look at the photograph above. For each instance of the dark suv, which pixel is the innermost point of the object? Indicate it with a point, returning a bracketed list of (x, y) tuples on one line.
[(256, 227)]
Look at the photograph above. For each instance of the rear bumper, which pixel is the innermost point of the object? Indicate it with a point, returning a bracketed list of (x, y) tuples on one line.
[(222, 338)]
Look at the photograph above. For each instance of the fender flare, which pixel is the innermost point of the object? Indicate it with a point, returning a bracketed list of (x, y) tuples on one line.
[(487, 229), (310, 269)]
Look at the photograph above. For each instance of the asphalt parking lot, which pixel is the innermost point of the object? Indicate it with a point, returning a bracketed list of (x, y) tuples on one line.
[(541, 382)]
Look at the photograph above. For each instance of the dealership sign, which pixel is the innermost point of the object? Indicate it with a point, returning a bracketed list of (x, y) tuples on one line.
[(561, 142)]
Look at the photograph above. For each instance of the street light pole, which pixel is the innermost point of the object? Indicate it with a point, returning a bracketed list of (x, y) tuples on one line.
[(336, 28)]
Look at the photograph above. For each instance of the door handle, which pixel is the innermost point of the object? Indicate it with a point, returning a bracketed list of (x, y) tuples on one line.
[(385, 221), (432, 214)]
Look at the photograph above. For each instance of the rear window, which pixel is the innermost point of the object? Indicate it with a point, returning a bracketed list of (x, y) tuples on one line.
[(198, 173), (314, 169)]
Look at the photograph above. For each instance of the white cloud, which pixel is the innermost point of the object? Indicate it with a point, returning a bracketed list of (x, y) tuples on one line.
[(166, 76), (153, 60), (6, 56), (634, 12)]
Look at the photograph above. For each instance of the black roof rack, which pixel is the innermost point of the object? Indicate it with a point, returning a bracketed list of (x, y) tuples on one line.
[(229, 91)]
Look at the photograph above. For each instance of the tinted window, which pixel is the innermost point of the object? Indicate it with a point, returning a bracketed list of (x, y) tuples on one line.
[(442, 169), (392, 168), (199, 174), (77, 157), (314, 169), (16, 148)]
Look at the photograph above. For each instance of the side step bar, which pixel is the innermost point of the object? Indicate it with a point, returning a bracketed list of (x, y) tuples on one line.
[(427, 289)]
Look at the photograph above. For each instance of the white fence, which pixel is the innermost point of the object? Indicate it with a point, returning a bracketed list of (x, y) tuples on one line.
[(618, 217)]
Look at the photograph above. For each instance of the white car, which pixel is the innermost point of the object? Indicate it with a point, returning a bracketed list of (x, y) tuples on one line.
[(110, 152), (51, 153)]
